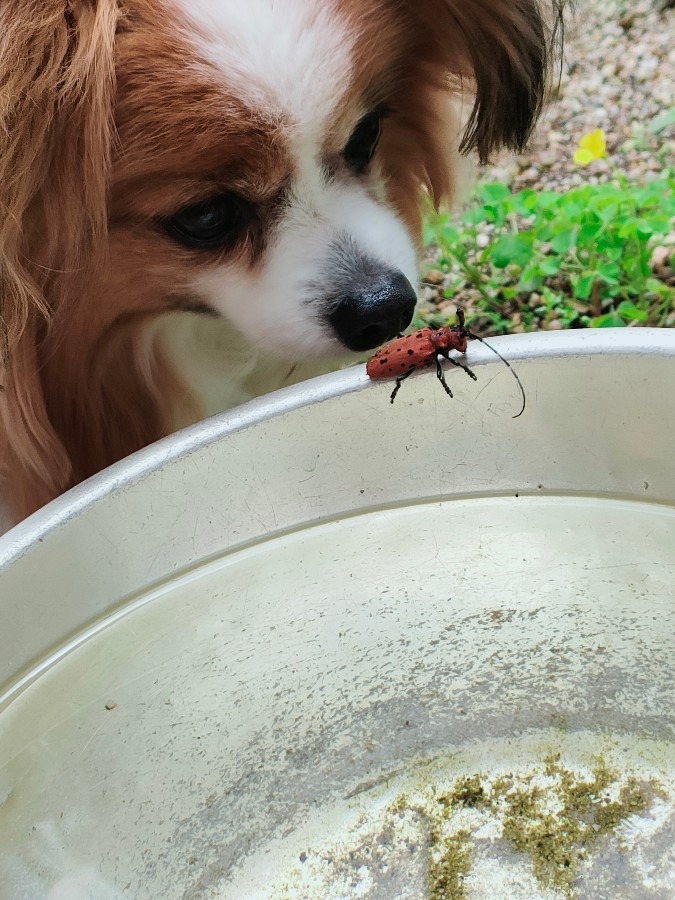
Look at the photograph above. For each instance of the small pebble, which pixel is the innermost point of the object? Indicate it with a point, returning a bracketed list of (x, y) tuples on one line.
[(434, 276)]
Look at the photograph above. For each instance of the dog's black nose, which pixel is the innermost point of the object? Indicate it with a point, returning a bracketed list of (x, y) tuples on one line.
[(376, 312)]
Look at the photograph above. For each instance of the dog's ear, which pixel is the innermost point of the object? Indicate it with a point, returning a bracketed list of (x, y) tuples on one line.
[(56, 110), (504, 48)]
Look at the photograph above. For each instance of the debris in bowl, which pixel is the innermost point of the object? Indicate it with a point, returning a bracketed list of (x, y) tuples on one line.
[(589, 826), (552, 815)]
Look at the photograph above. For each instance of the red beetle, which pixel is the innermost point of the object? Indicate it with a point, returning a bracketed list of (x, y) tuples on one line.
[(400, 358)]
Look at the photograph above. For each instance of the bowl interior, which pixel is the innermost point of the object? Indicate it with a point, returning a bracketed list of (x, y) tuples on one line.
[(328, 649)]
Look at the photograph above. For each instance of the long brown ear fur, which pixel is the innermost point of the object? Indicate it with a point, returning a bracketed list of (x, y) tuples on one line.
[(502, 47), (56, 106)]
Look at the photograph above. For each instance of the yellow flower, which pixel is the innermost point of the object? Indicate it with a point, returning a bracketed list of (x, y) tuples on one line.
[(591, 146)]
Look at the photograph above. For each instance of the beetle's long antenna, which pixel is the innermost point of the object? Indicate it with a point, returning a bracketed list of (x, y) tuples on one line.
[(476, 337)]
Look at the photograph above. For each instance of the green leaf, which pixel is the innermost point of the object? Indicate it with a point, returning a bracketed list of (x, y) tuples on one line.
[(614, 252), (588, 234), (574, 211), (630, 312), (553, 298), (606, 208), (550, 265), (449, 235), (527, 285), (654, 286), (653, 225), (428, 234), (584, 286), (608, 320), (524, 202), (609, 273), (547, 199), (513, 249), (530, 280), (494, 192), (628, 230), (476, 215), (564, 240)]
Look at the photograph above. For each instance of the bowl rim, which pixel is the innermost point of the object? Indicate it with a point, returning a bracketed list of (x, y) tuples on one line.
[(16, 542)]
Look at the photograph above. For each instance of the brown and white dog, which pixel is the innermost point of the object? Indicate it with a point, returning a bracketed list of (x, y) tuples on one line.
[(202, 200)]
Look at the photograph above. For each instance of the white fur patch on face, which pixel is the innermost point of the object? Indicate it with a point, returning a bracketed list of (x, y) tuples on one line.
[(285, 55), (280, 305), (293, 58)]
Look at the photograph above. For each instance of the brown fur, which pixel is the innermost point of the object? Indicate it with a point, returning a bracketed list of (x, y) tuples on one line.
[(104, 129), (502, 48), (56, 89)]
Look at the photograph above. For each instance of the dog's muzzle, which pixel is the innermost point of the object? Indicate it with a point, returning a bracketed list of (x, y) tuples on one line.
[(369, 301), (367, 317)]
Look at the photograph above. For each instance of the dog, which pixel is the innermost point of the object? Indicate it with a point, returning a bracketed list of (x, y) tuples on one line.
[(203, 200)]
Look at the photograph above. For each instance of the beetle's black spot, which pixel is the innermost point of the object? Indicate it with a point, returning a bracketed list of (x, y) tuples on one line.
[(384, 361), (411, 352)]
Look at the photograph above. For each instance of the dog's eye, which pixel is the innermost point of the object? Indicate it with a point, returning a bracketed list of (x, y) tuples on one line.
[(362, 145), (211, 225)]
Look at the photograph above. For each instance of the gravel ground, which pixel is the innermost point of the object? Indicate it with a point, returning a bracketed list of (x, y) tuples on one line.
[(618, 74)]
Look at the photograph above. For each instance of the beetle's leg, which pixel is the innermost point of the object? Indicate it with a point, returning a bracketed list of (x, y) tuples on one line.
[(441, 376), (460, 365), (399, 382)]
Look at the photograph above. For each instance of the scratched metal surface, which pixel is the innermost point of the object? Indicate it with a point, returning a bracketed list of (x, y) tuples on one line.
[(301, 596)]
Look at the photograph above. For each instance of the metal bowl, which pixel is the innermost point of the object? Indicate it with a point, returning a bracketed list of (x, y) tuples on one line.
[(248, 660)]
